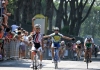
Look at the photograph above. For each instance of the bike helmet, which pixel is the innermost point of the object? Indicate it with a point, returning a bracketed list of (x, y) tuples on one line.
[(37, 25), (78, 42), (62, 42), (56, 28), (89, 37)]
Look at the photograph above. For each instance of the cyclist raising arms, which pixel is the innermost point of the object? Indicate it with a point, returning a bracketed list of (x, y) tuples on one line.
[(37, 41), (56, 38), (88, 44)]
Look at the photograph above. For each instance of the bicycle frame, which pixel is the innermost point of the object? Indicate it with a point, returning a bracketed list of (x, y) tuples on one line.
[(56, 57)]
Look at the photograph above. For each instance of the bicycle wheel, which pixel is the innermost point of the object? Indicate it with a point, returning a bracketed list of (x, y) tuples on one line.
[(35, 63), (87, 60), (56, 59), (56, 64)]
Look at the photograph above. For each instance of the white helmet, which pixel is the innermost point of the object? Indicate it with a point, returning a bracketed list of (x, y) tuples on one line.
[(89, 37), (38, 25), (62, 42), (56, 28), (78, 42)]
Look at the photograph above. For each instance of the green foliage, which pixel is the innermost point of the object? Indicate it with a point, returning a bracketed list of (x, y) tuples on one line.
[(43, 6), (65, 30), (11, 6), (91, 25), (56, 3)]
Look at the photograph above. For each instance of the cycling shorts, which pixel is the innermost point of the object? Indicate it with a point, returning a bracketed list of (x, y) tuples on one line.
[(56, 44)]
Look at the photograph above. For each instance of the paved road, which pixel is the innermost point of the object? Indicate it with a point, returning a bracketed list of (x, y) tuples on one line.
[(48, 65)]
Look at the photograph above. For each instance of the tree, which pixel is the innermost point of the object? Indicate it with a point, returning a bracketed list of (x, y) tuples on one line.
[(73, 16), (49, 12)]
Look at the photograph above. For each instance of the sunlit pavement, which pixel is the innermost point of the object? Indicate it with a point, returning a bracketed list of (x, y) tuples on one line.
[(23, 64)]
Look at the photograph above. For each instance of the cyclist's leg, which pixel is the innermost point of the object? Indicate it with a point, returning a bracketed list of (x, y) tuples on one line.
[(85, 55), (60, 52), (90, 53), (32, 55), (40, 54), (52, 50), (79, 53)]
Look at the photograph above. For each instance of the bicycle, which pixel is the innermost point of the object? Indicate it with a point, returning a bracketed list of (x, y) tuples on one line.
[(35, 62), (56, 57), (87, 57)]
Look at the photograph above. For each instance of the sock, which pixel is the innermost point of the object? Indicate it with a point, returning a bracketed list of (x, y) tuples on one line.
[(31, 61), (40, 62)]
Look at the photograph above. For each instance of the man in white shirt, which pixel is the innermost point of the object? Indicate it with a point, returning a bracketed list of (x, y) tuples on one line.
[(14, 27)]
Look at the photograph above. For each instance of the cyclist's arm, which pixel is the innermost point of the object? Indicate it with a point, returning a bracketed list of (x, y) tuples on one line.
[(42, 43), (92, 43), (84, 45), (33, 24), (65, 37), (47, 36)]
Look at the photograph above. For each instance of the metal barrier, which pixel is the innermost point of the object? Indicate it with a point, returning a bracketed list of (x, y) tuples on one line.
[(12, 51)]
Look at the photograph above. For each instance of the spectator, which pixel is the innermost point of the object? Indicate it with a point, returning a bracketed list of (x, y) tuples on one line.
[(5, 13), (14, 27)]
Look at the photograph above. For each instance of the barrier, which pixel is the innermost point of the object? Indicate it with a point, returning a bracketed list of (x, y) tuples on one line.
[(12, 51)]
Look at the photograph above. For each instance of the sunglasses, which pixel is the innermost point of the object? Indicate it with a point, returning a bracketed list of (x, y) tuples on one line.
[(56, 30), (37, 28)]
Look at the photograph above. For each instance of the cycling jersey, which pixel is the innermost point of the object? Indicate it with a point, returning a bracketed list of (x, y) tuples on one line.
[(88, 44), (37, 40), (56, 37)]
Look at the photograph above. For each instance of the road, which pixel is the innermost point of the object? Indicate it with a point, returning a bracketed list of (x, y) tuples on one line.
[(23, 64)]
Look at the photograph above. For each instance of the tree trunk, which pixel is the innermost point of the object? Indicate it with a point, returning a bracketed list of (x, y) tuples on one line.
[(38, 6), (73, 17), (24, 14), (17, 11), (49, 12), (59, 16)]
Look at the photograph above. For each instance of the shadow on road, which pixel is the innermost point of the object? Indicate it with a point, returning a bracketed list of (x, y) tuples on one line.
[(52, 68)]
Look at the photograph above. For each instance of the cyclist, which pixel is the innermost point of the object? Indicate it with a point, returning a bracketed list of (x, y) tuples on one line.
[(88, 43), (56, 37), (78, 48), (37, 40), (62, 49)]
